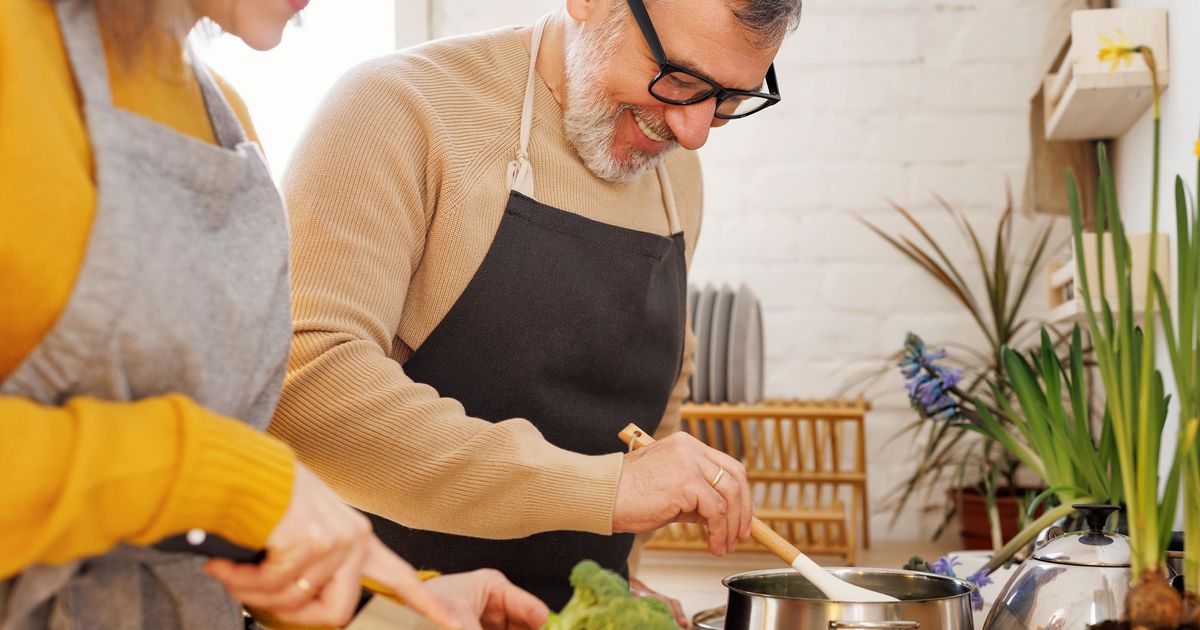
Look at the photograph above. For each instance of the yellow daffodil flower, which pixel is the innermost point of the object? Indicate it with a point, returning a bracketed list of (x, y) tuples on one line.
[(1117, 50), (1198, 148)]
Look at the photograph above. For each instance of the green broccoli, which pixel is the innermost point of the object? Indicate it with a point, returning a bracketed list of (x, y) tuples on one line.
[(602, 602)]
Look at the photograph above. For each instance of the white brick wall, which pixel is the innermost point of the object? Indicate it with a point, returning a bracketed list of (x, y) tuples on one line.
[(883, 99)]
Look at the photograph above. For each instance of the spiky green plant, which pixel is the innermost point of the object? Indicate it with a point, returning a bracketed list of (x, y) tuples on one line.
[(1050, 429), (1137, 406), (1182, 332), (1006, 275), (1044, 421)]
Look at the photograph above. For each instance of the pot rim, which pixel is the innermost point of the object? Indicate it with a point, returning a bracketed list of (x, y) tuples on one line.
[(970, 588)]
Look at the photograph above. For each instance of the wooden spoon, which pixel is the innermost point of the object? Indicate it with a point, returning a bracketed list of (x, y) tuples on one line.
[(833, 588)]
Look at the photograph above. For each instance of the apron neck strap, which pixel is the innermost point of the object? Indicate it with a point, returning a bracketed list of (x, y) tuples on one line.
[(520, 171), (530, 79), (664, 182), (85, 49), (226, 125)]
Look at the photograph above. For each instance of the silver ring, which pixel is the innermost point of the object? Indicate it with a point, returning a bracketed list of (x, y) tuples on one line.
[(306, 587), (717, 479)]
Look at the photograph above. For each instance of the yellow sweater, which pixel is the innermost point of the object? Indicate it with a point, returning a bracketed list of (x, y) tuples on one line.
[(394, 195), (77, 479)]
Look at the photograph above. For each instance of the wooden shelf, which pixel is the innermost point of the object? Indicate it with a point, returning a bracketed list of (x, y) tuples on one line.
[(1086, 98), (1062, 277)]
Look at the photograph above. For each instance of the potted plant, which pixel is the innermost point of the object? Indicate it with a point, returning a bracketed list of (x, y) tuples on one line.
[(1049, 428), (1181, 329), (987, 500), (1137, 407)]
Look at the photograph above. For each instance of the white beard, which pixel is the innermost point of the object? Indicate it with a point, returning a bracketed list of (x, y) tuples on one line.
[(589, 122)]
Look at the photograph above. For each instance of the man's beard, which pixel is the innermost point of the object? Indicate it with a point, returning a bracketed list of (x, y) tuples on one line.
[(590, 122)]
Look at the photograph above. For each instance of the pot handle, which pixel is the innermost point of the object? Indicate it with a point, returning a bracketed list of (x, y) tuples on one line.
[(875, 625)]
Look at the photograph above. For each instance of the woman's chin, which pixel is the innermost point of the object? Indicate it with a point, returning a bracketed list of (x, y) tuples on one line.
[(263, 41)]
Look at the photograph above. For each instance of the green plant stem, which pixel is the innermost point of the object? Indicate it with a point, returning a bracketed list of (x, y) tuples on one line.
[(1145, 519), (1191, 506), (993, 513), (994, 523), (1026, 536)]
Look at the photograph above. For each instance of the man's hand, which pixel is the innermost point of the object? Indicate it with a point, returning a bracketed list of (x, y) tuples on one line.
[(638, 589), (672, 481), (485, 598)]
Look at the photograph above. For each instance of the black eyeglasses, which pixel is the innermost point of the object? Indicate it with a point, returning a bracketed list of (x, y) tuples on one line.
[(676, 85)]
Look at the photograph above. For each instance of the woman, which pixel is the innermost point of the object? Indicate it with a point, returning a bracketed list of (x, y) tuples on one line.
[(143, 273)]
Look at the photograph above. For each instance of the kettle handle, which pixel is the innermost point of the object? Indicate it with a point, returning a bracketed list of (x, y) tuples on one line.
[(875, 625), (1096, 515)]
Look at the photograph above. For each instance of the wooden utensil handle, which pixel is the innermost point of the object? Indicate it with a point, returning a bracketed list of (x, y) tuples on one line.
[(767, 537)]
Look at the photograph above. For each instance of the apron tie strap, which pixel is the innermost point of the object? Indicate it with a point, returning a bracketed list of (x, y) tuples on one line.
[(520, 171)]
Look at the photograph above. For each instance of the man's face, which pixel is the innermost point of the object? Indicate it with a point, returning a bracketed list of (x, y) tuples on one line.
[(618, 128)]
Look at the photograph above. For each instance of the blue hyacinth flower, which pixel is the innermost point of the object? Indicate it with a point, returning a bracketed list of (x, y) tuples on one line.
[(981, 578), (930, 386), (945, 566)]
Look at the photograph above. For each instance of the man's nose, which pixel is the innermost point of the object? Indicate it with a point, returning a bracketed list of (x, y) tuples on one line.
[(690, 123)]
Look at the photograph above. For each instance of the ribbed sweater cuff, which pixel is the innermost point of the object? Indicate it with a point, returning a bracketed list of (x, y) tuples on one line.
[(583, 489), (234, 481)]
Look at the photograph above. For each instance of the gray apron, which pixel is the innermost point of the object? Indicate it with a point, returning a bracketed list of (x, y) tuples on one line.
[(574, 324), (183, 289)]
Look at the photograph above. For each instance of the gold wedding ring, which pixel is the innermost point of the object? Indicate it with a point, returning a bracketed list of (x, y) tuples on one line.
[(306, 587), (717, 479)]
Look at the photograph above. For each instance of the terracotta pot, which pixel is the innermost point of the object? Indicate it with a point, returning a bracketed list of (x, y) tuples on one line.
[(973, 516)]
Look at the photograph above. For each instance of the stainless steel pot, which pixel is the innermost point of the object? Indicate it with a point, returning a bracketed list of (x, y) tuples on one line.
[(781, 599)]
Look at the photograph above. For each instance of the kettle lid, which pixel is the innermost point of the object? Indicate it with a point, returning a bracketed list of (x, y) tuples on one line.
[(1093, 548)]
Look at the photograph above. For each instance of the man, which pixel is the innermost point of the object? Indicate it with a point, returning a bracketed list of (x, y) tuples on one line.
[(489, 283)]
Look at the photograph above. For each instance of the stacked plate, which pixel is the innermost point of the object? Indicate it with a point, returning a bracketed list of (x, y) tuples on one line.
[(729, 357)]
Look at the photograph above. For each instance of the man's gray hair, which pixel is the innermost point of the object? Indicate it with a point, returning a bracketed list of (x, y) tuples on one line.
[(768, 21)]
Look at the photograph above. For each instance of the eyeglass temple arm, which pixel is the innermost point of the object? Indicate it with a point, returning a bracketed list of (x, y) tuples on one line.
[(643, 19)]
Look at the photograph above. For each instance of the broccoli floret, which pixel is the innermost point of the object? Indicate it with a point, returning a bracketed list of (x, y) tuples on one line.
[(602, 602), (915, 563), (642, 613)]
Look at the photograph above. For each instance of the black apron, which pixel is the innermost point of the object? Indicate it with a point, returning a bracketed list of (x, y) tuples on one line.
[(573, 324)]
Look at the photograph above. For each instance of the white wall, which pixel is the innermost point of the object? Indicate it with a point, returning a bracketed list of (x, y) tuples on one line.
[(1180, 103)]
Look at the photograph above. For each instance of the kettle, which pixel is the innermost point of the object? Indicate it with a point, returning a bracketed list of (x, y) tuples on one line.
[(1071, 581)]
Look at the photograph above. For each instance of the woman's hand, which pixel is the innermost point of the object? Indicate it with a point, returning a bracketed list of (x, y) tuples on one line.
[(316, 558), (486, 599)]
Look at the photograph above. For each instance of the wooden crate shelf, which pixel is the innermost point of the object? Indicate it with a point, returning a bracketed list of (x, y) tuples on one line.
[(1088, 99), (806, 462)]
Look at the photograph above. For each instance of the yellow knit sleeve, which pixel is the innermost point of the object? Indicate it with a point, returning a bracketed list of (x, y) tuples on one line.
[(78, 479)]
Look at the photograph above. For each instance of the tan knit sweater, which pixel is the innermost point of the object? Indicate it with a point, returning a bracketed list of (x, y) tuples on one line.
[(395, 194)]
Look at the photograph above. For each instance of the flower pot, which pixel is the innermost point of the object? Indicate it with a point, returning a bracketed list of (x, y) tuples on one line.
[(973, 517)]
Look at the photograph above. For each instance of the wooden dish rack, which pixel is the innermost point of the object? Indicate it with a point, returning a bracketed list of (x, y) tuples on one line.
[(806, 462)]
